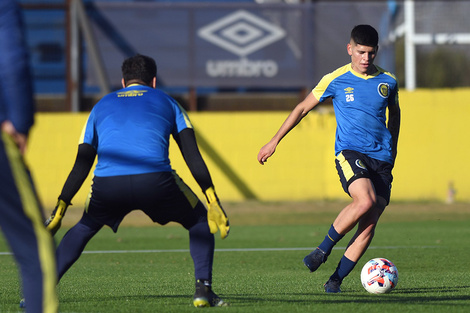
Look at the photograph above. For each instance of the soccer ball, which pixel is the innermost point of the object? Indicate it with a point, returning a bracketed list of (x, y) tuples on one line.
[(379, 275)]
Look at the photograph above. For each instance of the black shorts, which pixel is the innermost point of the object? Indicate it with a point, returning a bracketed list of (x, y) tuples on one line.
[(164, 197), (352, 165)]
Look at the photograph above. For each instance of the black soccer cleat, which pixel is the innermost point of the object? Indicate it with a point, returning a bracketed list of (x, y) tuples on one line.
[(315, 259), (332, 286), (205, 297)]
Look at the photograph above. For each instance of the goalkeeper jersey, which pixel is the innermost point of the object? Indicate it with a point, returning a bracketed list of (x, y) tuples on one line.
[(360, 104), (130, 130)]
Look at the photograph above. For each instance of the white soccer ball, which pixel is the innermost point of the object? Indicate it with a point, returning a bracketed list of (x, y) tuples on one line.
[(379, 275)]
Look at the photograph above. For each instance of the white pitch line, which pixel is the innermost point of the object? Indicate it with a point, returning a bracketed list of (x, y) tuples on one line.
[(240, 250)]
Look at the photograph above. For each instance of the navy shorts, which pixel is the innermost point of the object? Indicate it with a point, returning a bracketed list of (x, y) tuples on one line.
[(164, 197), (352, 165)]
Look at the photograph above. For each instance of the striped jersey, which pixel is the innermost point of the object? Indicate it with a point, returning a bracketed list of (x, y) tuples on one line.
[(360, 104)]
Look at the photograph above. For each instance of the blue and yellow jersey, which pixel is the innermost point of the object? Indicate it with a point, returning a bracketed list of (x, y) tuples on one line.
[(130, 130), (360, 105)]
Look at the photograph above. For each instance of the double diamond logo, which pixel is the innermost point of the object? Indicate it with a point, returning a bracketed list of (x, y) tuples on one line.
[(241, 33)]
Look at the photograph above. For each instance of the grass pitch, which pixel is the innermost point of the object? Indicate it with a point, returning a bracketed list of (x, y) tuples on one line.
[(258, 268)]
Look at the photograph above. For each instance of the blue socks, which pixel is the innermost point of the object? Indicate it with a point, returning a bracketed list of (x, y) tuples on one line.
[(74, 242), (345, 267), (201, 247), (330, 240)]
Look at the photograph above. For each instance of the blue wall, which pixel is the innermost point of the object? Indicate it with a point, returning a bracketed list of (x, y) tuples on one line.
[(46, 37)]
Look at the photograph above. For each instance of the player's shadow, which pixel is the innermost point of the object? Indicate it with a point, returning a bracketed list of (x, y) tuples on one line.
[(133, 298), (418, 296), (446, 289), (407, 296)]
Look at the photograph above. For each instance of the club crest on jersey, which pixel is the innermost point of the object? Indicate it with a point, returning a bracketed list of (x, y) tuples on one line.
[(384, 90)]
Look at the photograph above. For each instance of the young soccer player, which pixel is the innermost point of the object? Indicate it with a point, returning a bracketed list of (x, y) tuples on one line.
[(365, 147), (129, 130)]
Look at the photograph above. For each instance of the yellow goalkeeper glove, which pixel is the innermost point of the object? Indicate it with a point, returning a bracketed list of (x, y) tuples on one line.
[(216, 217), (53, 223)]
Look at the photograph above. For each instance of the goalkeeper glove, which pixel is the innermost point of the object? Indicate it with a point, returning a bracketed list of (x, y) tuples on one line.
[(53, 223), (216, 217)]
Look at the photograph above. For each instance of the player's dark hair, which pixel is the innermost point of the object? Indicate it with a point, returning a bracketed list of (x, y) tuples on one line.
[(139, 68), (365, 35)]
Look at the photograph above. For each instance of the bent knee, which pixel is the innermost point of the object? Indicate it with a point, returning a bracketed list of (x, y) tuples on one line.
[(365, 204)]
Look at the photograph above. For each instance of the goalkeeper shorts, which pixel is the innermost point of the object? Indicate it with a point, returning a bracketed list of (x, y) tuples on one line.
[(162, 196)]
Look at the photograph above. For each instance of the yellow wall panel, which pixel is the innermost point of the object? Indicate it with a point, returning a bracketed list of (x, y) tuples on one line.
[(433, 149)]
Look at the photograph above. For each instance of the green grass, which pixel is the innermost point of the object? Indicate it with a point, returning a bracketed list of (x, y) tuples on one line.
[(431, 254)]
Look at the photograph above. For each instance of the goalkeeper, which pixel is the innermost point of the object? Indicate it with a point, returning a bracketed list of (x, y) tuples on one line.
[(129, 130)]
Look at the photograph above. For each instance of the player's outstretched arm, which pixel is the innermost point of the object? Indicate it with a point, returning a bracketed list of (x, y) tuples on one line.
[(84, 161), (299, 112), (216, 216)]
